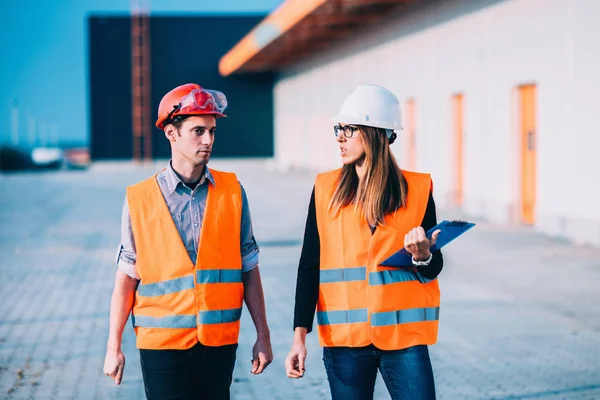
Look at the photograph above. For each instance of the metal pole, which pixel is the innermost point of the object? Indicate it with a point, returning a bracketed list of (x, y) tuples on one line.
[(14, 122), (31, 137), (43, 134)]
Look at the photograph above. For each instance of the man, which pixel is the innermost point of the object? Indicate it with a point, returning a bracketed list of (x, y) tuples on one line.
[(187, 261)]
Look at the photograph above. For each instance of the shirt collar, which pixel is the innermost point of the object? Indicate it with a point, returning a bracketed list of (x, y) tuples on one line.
[(173, 180), (209, 176)]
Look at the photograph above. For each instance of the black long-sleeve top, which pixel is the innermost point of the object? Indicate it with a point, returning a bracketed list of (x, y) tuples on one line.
[(307, 283)]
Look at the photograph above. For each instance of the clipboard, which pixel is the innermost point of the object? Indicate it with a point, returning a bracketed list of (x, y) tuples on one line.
[(450, 230)]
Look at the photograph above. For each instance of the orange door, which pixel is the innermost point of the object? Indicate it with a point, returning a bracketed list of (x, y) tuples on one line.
[(457, 110), (527, 100), (411, 146)]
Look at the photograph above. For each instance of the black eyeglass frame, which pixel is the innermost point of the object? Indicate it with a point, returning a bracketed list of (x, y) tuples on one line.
[(348, 130)]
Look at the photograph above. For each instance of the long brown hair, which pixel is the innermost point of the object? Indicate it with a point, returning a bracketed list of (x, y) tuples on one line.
[(382, 189)]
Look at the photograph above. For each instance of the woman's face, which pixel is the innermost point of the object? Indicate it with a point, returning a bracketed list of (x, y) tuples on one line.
[(352, 145)]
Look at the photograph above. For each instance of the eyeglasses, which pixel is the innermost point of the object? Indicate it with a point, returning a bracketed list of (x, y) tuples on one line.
[(349, 131)]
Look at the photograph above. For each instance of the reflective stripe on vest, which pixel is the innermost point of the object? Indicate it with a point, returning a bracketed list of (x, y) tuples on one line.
[(188, 321), (375, 278), (343, 275), (405, 316), (220, 316), (378, 319), (166, 287), (219, 276), (394, 276), (342, 317), (187, 282), (172, 321)]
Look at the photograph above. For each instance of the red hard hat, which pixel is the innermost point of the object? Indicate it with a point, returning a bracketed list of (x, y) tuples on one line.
[(190, 99)]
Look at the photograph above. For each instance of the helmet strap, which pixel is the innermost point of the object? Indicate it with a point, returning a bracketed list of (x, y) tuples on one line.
[(391, 135)]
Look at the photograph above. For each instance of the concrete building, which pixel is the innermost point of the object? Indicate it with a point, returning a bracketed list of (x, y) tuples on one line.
[(499, 97)]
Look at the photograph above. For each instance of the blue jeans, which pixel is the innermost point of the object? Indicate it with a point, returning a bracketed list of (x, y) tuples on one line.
[(352, 372)]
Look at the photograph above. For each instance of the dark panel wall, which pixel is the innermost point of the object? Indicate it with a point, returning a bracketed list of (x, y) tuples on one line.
[(183, 49), (109, 104)]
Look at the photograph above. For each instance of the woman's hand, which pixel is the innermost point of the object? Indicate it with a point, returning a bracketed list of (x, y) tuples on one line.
[(417, 243), (295, 361)]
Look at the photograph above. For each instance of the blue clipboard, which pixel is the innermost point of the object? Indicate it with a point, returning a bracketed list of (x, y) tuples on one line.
[(450, 230)]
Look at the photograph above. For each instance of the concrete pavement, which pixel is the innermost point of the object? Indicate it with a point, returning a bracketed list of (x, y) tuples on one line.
[(519, 317)]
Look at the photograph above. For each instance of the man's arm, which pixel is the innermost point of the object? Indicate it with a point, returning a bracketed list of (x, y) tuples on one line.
[(120, 308), (126, 281), (255, 301), (262, 354)]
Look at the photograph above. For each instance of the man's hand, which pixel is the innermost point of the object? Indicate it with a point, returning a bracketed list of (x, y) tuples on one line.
[(417, 243), (295, 361), (262, 355), (114, 363)]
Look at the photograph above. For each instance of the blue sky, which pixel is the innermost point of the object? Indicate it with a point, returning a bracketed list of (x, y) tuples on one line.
[(44, 52)]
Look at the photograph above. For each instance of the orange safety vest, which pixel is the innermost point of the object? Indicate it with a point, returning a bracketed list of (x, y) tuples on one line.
[(361, 303), (178, 303)]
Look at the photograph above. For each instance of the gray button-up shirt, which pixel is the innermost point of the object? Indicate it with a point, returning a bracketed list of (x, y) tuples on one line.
[(187, 209)]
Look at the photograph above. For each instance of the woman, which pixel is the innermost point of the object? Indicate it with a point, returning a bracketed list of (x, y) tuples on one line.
[(369, 317)]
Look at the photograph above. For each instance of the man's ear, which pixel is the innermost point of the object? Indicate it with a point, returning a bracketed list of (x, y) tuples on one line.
[(170, 132)]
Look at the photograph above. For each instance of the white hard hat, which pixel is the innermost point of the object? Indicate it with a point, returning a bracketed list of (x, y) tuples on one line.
[(371, 105)]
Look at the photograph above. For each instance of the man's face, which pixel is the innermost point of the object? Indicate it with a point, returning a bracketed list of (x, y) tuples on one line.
[(194, 139)]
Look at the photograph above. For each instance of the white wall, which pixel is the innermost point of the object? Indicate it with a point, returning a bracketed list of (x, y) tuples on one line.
[(483, 49)]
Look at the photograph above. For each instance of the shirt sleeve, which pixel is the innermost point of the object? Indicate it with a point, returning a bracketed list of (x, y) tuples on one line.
[(248, 246), (434, 268), (126, 255), (307, 280)]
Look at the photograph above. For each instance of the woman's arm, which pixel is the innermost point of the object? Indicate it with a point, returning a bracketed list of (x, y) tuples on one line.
[(434, 268), (307, 293), (307, 281)]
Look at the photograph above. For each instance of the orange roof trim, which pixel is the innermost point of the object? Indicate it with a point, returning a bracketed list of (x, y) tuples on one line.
[(272, 27), (300, 28)]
